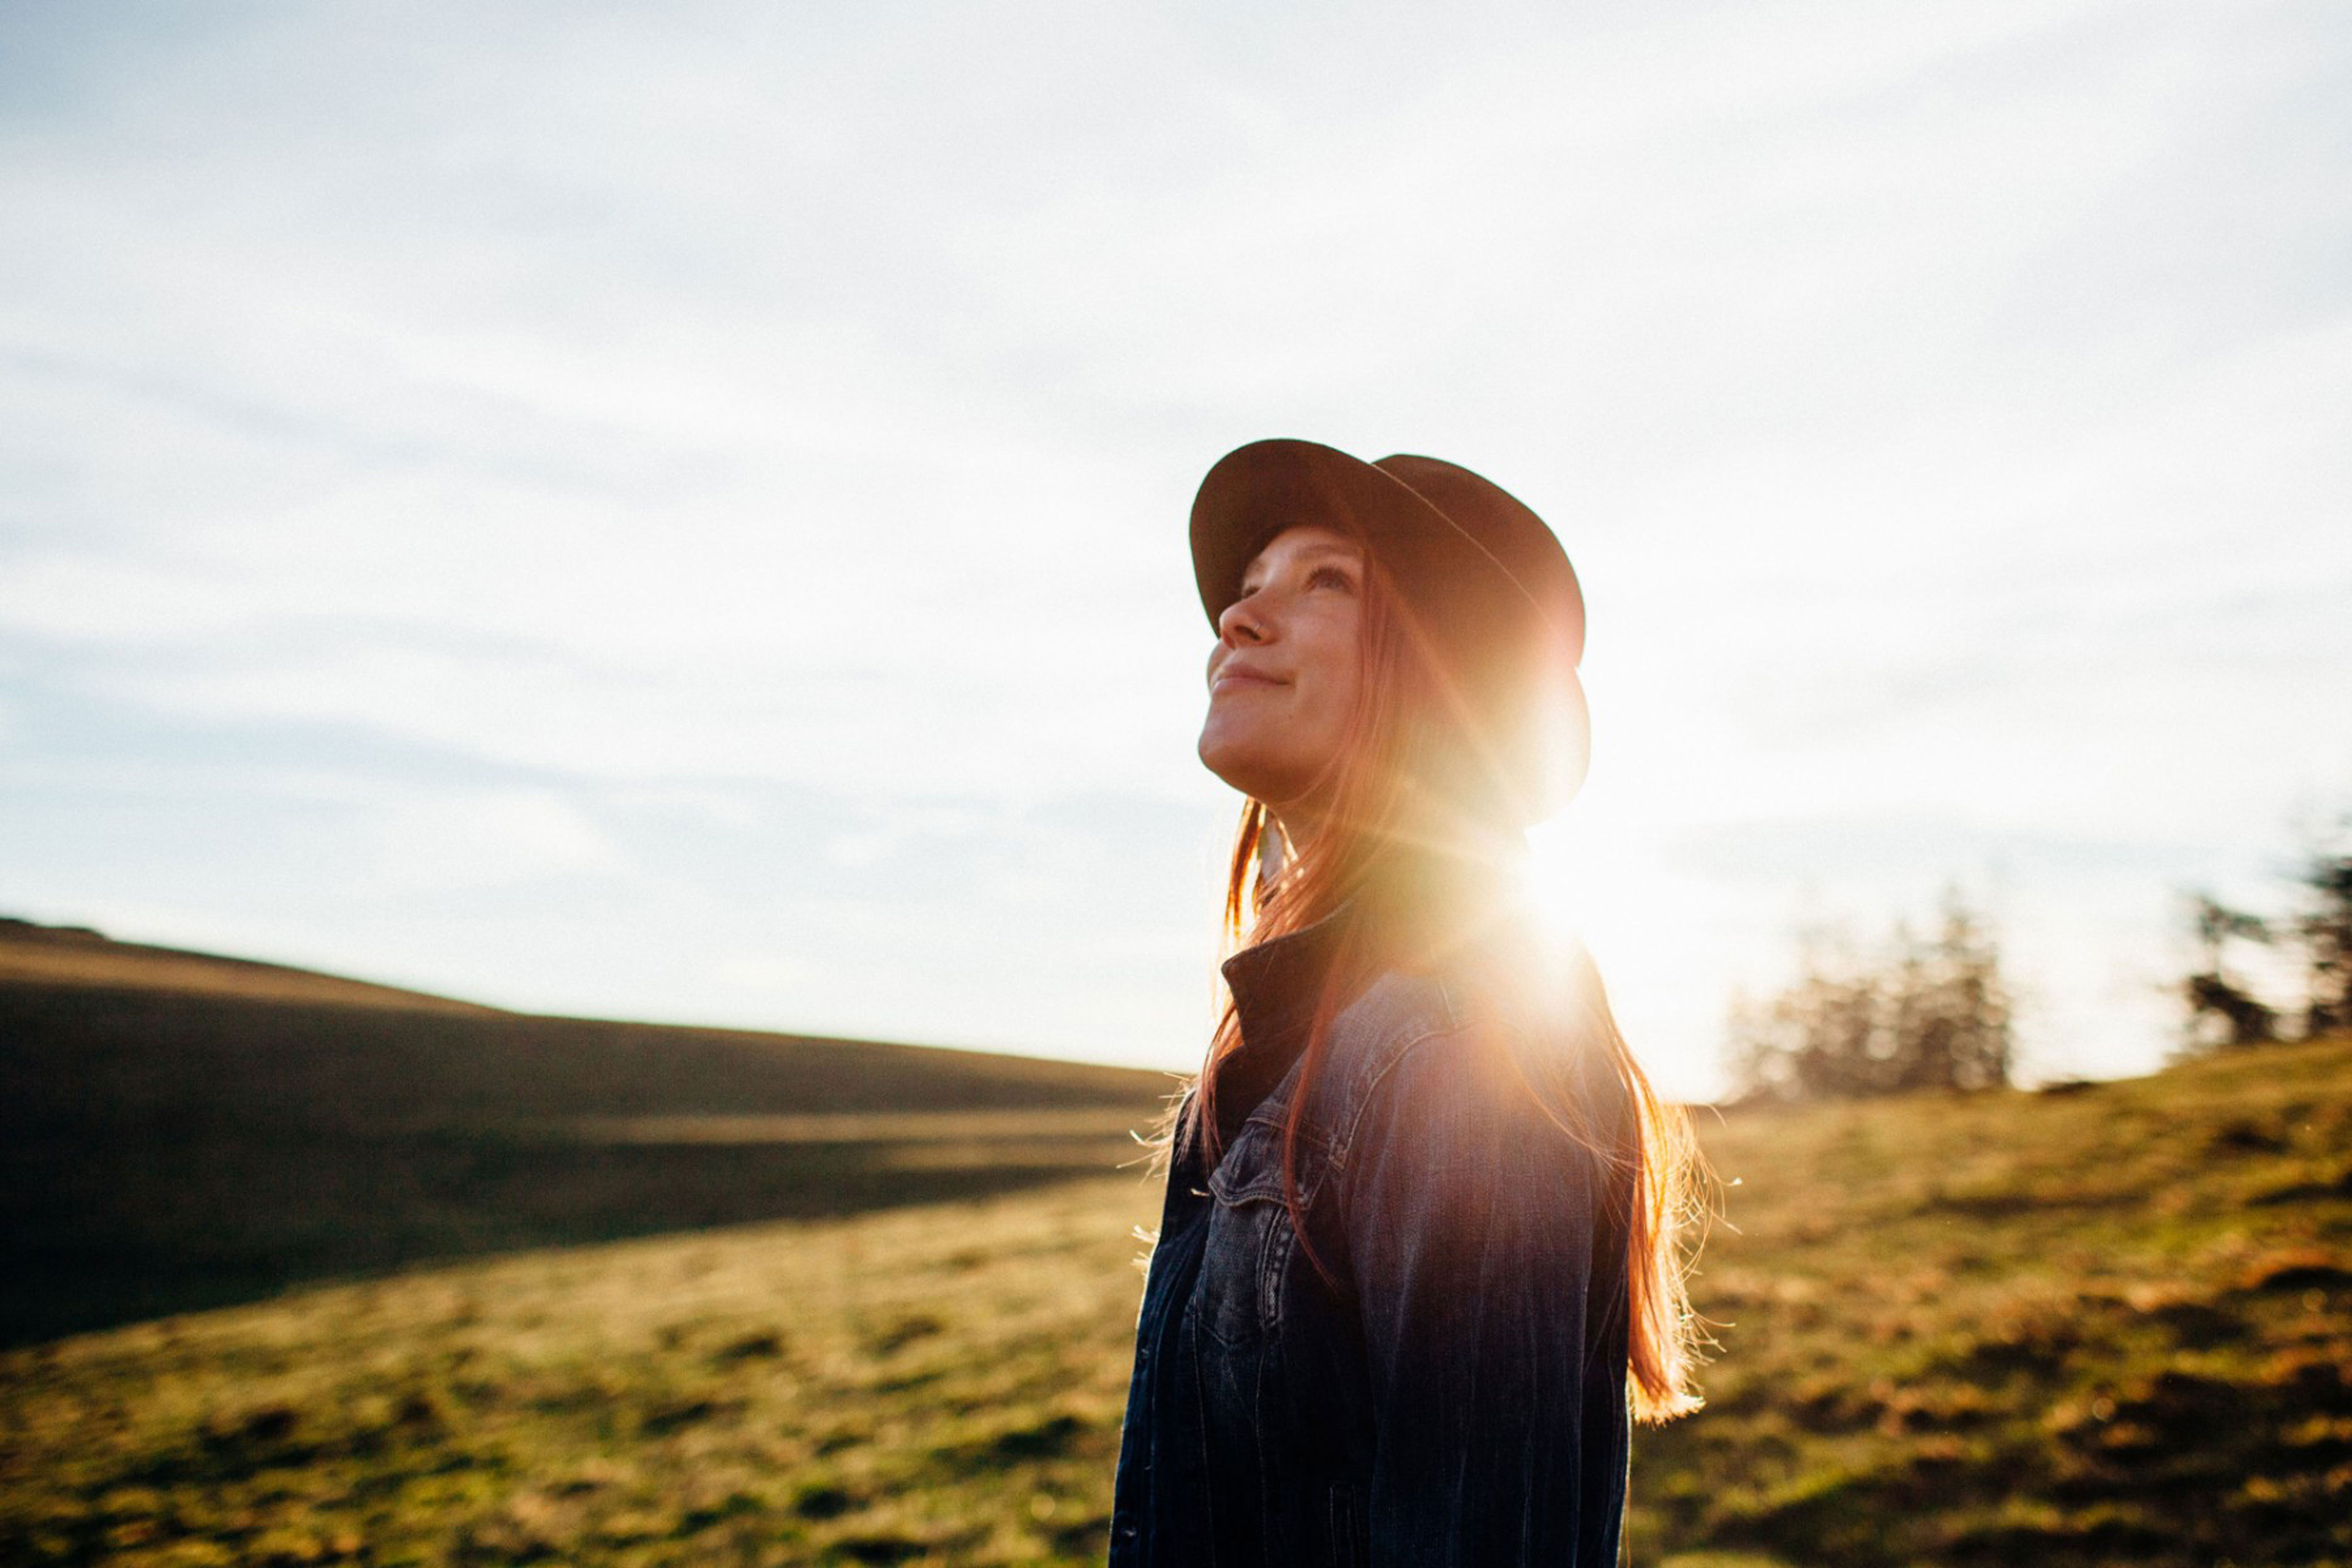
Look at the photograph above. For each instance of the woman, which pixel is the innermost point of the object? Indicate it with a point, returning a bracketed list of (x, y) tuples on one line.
[(1417, 1257)]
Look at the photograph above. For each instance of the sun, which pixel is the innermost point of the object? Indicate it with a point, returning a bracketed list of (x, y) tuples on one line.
[(1581, 878), (1595, 880)]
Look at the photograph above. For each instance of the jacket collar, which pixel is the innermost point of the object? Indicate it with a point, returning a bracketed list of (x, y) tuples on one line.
[(1274, 986)]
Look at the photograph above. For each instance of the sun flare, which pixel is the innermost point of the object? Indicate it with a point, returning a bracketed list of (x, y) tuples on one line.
[(1578, 876), (1594, 880)]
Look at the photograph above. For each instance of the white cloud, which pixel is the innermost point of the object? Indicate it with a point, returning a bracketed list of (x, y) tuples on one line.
[(482, 839)]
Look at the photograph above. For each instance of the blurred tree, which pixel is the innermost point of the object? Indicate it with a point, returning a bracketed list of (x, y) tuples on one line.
[(2324, 929), (1930, 1013), (2222, 1008)]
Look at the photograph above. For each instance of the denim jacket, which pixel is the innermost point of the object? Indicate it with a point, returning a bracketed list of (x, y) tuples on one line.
[(1457, 1398)]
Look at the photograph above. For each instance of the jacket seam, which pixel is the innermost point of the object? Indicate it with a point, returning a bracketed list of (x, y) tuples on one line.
[(1227, 1188), (1277, 1117), (1343, 1155)]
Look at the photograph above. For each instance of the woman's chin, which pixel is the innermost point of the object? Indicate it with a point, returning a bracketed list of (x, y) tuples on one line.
[(1222, 753), (1245, 769)]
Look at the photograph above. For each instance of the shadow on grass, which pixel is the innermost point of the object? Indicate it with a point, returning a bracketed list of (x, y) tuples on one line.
[(94, 1236), (163, 1152)]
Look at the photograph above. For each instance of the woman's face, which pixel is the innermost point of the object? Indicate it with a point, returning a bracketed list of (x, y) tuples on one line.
[(1283, 675)]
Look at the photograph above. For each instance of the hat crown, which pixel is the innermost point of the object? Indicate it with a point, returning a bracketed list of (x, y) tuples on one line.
[(1506, 529)]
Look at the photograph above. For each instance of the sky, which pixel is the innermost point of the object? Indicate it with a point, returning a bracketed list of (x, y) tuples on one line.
[(678, 511)]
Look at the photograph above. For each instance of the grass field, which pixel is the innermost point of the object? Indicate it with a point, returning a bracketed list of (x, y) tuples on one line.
[(938, 1383), (2110, 1325)]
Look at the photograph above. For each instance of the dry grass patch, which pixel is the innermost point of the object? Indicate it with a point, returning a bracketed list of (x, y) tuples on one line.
[(935, 1385)]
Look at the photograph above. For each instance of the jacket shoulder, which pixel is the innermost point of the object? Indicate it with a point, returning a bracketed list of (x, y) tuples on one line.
[(1393, 1017), (1423, 1035)]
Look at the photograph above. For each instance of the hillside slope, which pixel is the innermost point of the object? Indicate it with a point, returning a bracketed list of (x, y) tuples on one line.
[(34, 954), (2109, 1324), (162, 1149), (2103, 1327)]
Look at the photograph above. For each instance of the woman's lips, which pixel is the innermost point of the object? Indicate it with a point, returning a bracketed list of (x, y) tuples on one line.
[(1231, 677)]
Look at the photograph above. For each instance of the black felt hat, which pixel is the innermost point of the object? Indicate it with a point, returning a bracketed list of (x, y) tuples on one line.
[(1483, 577)]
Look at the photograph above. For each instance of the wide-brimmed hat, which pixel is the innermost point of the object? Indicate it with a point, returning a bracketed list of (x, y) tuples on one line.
[(1482, 578)]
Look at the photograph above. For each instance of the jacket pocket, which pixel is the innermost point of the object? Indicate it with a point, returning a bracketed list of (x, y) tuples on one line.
[(1243, 1247), (1252, 1164), (1249, 1242)]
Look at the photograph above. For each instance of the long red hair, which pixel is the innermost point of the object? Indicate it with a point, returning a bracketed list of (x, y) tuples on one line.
[(1416, 837)]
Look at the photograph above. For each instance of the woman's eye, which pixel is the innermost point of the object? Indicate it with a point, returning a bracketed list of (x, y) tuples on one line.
[(1330, 576)]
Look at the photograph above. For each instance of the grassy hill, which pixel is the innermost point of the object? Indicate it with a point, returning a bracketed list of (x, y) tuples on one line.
[(2109, 1325), (38, 955), (179, 1130)]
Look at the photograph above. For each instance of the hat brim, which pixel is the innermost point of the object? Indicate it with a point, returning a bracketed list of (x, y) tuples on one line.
[(1255, 491)]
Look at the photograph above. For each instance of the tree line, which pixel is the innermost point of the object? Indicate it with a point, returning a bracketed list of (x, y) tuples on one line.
[(1914, 1012), (1933, 1011)]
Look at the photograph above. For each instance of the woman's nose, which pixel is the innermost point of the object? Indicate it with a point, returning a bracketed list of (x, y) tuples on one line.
[(1242, 622)]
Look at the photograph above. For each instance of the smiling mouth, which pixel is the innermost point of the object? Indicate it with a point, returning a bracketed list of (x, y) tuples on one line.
[(1243, 677)]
